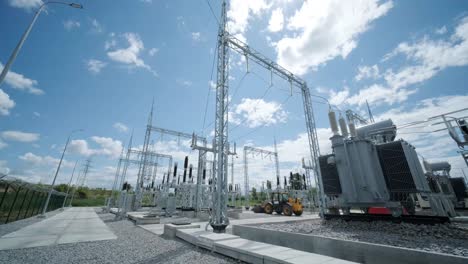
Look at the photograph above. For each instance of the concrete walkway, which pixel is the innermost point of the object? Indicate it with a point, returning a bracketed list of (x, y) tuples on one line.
[(158, 229), (70, 226)]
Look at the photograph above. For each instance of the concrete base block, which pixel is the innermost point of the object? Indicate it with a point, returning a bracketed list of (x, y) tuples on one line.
[(147, 220), (191, 235), (141, 218), (207, 240), (170, 229)]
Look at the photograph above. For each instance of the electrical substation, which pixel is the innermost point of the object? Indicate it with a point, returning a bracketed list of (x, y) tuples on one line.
[(371, 175), (371, 198)]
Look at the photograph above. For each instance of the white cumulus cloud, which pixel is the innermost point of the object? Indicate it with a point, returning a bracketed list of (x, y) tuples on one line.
[(20, 82), (153, 51), (276, 22), (120, 127), (258, 112), (25, 4), (240, 12), (324, 30), (131, 54), (96, 27), (71, 24), (366, 72), (106, 146), (196, 36), (38, 160), (5, 103), (425, 58), (19, 136), (95, 66)]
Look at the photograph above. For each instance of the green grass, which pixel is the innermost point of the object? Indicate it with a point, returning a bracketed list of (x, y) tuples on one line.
[(98, 201)]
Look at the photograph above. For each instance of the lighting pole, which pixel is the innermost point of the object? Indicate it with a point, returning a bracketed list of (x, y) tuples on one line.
[(26, 33), (69, 185), (44, 210)]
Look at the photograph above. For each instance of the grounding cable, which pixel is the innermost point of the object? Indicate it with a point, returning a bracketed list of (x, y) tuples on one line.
[(209, 89), (212, 12)]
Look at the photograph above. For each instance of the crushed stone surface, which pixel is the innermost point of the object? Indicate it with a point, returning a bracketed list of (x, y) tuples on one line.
[(441, 238), (133, 245)]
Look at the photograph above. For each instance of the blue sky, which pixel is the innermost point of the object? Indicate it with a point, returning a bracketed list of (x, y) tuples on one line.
[(99, 68)]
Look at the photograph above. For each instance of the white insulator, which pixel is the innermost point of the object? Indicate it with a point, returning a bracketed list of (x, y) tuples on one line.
[(333, 124), (343, 127), (352, 129)]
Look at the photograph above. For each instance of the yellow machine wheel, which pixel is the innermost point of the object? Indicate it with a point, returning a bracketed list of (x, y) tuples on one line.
[(287, 210), (298, 212), (268, 209)]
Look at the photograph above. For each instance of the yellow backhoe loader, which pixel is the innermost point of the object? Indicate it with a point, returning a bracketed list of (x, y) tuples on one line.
[(281, 203)]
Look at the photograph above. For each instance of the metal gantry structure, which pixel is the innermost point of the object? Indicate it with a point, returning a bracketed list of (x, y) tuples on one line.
[(219, 194), (265, 153), (309, 168), (146, 153), (457, 128), (225, 42), (151, 164)]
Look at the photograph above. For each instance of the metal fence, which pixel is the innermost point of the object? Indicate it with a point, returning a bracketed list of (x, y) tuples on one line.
[(20, 200)]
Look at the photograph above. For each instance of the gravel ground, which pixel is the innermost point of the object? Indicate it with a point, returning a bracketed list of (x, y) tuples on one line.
[(133, 245), (13, 226), (442, 238)]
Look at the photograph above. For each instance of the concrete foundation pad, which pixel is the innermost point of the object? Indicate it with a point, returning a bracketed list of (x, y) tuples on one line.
[(191, 235), (170, 229), (241, 249), (207, 240), (157, 229), (146, 220)]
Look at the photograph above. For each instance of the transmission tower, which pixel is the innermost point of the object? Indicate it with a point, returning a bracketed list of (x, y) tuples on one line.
[(86, 167), (116, 180), (142, 167), (226, 41), (81, 181), (219, 221)]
